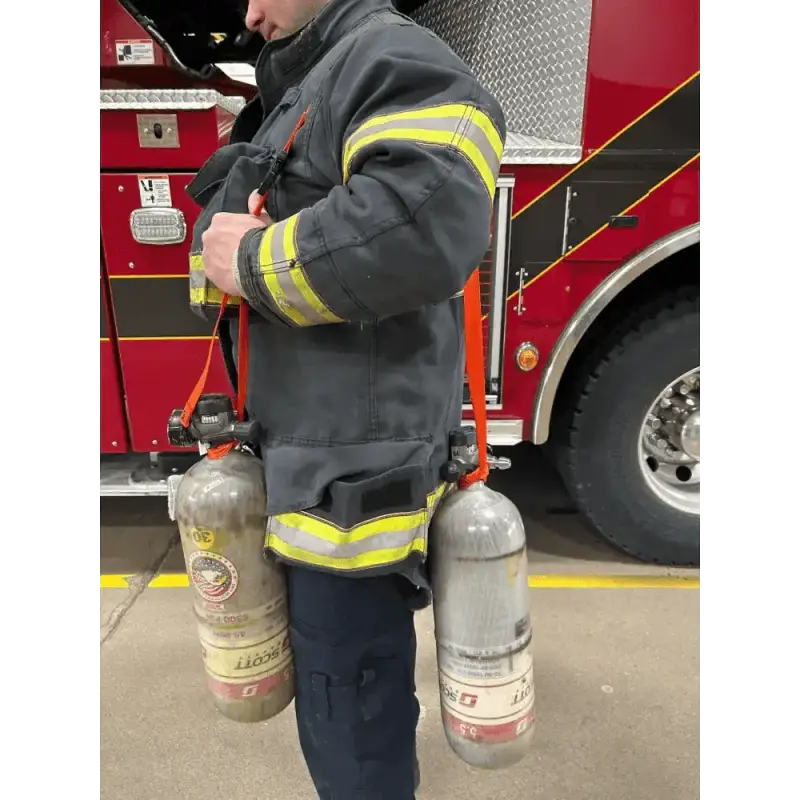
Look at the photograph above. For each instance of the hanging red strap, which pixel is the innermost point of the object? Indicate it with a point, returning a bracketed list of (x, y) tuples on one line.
[(243, 359), (241, 388), (476, 370)]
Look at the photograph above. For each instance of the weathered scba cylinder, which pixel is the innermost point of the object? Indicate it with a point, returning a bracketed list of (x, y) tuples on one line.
[(240, 597), (479, 572)]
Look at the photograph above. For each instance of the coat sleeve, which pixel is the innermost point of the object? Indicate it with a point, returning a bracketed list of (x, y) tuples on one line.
[(420, 144)]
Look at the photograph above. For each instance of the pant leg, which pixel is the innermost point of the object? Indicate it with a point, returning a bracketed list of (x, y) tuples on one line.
[(354, 649)]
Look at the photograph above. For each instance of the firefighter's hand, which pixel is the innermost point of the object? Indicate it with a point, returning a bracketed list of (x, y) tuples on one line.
[(221, 244)]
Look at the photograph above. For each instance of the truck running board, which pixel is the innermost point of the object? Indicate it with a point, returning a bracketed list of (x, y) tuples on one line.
[(140, 475)]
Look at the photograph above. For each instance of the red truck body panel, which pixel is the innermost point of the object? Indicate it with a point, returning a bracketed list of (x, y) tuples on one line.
[(639, 159), (113, 425)]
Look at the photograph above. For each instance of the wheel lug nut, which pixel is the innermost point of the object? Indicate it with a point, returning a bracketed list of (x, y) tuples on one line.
[(670, 450), (669, 392), (684, 405), (665, 402), (654, 422), (685, 388)]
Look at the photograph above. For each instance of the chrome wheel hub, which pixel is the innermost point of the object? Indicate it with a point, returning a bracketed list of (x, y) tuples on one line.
[(669, 444)]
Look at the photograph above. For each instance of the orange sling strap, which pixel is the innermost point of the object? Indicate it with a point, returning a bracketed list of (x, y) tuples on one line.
[(473, 336)]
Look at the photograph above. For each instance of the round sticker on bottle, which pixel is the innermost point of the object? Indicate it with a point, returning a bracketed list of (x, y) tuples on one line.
[(214, 577)]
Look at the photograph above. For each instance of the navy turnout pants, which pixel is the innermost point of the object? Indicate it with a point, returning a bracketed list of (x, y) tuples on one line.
[(354, 650)]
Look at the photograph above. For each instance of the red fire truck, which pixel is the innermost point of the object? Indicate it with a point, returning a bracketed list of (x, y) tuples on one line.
[(591, 285)]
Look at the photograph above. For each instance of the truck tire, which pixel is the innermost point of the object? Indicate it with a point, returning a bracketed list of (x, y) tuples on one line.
[(638, 482)]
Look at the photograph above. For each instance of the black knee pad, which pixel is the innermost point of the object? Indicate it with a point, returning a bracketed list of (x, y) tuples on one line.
[(355, 704), (357, 716)]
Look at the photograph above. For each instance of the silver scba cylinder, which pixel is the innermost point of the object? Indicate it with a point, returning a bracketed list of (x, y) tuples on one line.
[(240, 597), (479, 572)]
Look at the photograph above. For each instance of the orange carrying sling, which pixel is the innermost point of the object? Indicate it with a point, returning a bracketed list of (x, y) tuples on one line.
[(473, 336)]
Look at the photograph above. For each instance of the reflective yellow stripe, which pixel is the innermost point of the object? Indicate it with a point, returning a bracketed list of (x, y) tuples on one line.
[(439, 138), (389, 523), (201, 291), (209, 296), (456, 110), (331, 533), (436, 495), (299, 277), (457, 125), (271, 278), (377, 542), (285, 278), (372, 558)]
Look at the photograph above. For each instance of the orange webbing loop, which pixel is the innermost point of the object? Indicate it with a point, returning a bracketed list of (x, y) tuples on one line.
[(241, 376), (473, 337), (191, 403), (241, 390)]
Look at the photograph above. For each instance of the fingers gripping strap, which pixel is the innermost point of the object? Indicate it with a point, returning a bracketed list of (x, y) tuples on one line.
[(243, 338)]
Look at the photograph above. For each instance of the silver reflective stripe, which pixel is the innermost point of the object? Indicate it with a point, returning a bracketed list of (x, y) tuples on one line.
[(283, 249), (463, 127), (197, 273), (458, 128), (285, 279), (374, 544), (344, 550)]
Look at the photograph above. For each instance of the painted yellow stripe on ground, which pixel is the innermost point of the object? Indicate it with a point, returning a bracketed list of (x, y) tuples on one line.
[(170, 580), (114, 581), (612, 582), (179, 580)]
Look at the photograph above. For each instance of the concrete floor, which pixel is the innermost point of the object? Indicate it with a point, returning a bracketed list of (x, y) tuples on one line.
[(617, 679)]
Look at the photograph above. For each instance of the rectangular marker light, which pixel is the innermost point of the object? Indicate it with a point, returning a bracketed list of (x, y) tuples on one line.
[(158, 225)]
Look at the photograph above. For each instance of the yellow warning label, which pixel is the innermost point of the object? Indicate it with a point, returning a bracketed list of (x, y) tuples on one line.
[(202, 537)]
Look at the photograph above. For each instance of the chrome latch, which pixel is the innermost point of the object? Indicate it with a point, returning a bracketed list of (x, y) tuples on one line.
[(522, 274), (497, 462)]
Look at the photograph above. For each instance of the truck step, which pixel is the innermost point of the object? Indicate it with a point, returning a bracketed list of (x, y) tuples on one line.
[(140, 475), (132, 475)]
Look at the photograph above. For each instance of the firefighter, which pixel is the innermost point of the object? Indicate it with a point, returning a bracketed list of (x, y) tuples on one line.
[(354, 275)]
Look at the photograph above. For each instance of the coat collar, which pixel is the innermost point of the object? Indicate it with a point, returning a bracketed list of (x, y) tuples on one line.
[(285, 58)]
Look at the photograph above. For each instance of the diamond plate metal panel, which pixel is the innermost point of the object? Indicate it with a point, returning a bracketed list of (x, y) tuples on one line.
[(521, 149), (531, 54), (168, 99)]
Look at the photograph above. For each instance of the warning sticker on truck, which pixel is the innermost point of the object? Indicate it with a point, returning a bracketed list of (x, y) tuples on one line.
[(154, 191), (135, 51)]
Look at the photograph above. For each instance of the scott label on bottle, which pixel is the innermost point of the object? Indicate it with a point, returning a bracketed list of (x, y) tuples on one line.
[(257, 660), (491, 710)]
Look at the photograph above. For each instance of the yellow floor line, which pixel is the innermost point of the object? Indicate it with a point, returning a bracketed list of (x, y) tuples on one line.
[(180, 580), (612, 582)]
